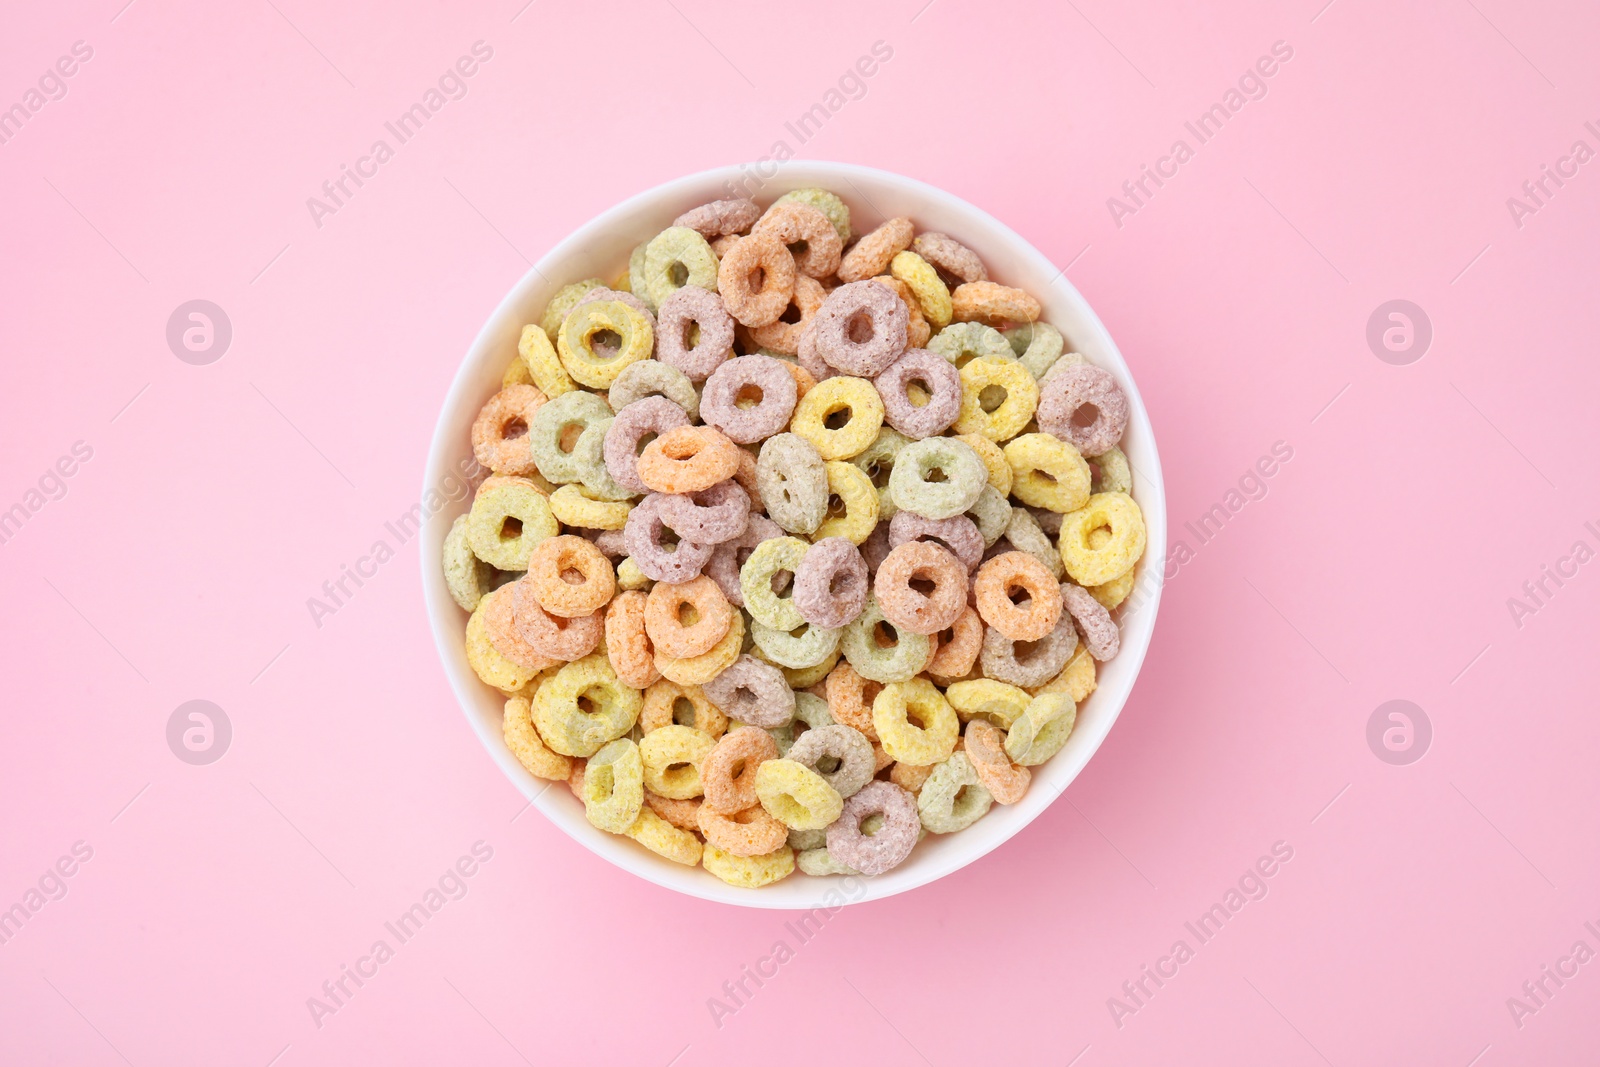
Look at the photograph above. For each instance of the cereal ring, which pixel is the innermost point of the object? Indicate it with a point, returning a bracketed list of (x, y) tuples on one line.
[(808, 233), (1041, 731), (570, 577), (1085, 406), (1110, 472), (904, 775), (1095, 624), (646, 525), (557, 428), (764, 386), (792, 483), (630, 577), (879, 655), (687, 460), (1001, 660), (994, 461), (852, 504), (560, 707), (576, 506), (751, 832), (958, 651), (952, 798), (1005, 781), (500, 432), (951, 256), (728, 773), (1076, 678), (752, 692), (625, 437), (664, 839), (839, 754), (466, 576), (875, 549), (783, 335), (508, 517), (905, 605), (553, 636), (628, 645), (876, 461), (929, 290), (807, 356), (818, 864), (915, 723), (917, 329), (555, 312), (672, 756), (687, 619), (840, 417), (850, 698), (694, 315), (623, 295), (748, 872), (1113, 593), (796, 795), (667, 703), (537, 352), (1037, 345), (958, 533), (830, 583), (812, 710), (720, 217), (1046, 472), (938, 386), (827, 203), (1092, 562), (589, 460), (1025, 536), (766, 576), (870, 256), (991, 303), (652, 378), (793, 649), (613, 786), (989, 700), (728, 557), (992, 513), (684, 814), (995, 589), (674, 258), (585, 347), (708, 517), (962, 478), (998, 398), (525, 744), (487, 663), (861, 328), (760, 258), (963, 342), (889, 847)]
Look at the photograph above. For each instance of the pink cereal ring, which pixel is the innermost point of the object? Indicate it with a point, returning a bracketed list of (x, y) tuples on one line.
[(1084, 406), (803, 227), (1094, 622), (934, 376), (756, 279), (762, 382), (861, 328), (893, 842), (500, 439), (951, 256), (643, 537), (702, 309), (728, 773), (625, 437), (708, 517), (720, 217)]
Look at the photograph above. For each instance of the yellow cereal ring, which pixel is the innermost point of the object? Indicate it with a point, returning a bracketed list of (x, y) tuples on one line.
[(517, 373), (805, 677), (749, 872), (856, 515), (830, 398), (796, 795), (933, 296), (538, 353), (893, 711), (1041, 730), (998, 398), (698, 670), (599, 368), (672, 756), (613, 786), (565, 300), (1111, 594), (629, 576), (984, 698), (525, 744), (675, 257), (1046, 472), (509, 516), (1091, 564), (561, 719), (624, 282), (1076, 678), (664, 839), (490, 666), (575, 505), (994, 461)]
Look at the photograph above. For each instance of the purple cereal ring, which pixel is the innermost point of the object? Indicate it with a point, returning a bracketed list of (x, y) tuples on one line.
[(710, 516), (729, 557), (950, 256), (830, 584), (861, 328), (642, 536), (1084, 406), (875, 549), (600, 292), (957, 533), (887, 848), (753, 692), (611, 543), (807, 356), (1093, 621), (761, 379), (720, 217), (625, 437), (693, 306), (937, 377)]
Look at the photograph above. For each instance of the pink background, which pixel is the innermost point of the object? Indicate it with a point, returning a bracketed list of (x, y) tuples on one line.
[(1379, 565)]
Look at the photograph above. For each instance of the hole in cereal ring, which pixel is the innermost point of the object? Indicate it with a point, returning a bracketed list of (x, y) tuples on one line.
[(836, 508), (992, 396), (678, 768), (514, 428), (859, 329), (841, 583), (737, 769), (687, 615), (885, 634), (587, 706), (606, 343), (798, 249), (683, 711), (756, 279), (935, 475), (918, 392), (838, 418), (828, 764), (691, 335), (572, 576), (960, 797), (567, 439), (872, 824), (668, 539), (748, 396), (678, 274), (644, 440), (791, 314), (510, 528), (1018, 596), (781, 581), (1086, 415), (925, 586)]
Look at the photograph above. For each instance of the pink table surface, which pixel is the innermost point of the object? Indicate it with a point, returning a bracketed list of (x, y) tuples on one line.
[(1426, 904)]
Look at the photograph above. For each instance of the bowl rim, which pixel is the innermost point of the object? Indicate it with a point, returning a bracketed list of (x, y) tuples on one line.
[(468, 689)]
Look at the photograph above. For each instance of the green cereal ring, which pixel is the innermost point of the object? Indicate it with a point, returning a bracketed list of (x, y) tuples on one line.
[(816, 862), (1068, 359), (963, 342), (567, 418), (827, 203), (508, 517), (675, 257), (813, 711), (1025, 536), (992, 512), (952, 798), (636, 283), (796, 795), (565, 300), (651, 377), (961, 477), (1111, 472), (875, 655), (805, 840), (877, 461), (794, 649), (768, 595), (581, 345), (583, 706), (466, 576), (613, 786), (1037, 344), (1041, 730), (589, 461)]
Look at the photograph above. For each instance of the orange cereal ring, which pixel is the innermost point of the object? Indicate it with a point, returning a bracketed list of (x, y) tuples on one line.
[(499, 626), (850, 698), (728, 773), (688, 618), (666, 703), (896, 587), (986, 749), (684, 814), (746, 477), (570, 576), (870, 256), (627, 644), (904, 775), (917, 329), (688, 459), (751, 832), (991, 303), (782, 335), (996, 585), (756, 279), (575, 779), (552, 635), (795, 223), (958, 651), (500, 438)]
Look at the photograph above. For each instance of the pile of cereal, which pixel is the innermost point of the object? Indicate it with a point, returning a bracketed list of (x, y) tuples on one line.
[(845, 526)]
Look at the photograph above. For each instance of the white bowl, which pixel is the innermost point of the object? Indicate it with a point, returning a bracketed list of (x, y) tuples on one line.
[(600, 249)]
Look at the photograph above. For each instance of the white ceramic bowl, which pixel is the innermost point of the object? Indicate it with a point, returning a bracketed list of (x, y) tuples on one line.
[(600, 249)]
